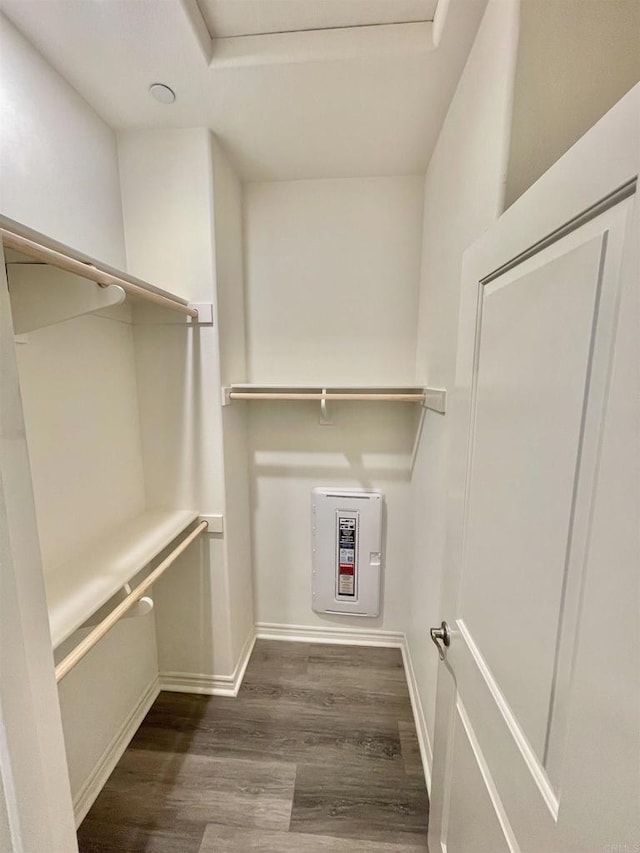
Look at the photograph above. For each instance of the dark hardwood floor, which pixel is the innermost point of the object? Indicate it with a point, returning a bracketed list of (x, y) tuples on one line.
[(318, 754)]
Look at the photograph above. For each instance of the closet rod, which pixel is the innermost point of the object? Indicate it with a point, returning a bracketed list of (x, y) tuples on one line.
[(89, 271), (278, 395), (74, 657)]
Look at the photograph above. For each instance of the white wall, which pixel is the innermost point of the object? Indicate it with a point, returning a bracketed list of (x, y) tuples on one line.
[(177, 238), (369, 446), (464, 190), (36, 795), (168, 216), (229, 255), (82, 427), (332, 280), (58, 161), (59, 175), (576, 59), (332, 284)]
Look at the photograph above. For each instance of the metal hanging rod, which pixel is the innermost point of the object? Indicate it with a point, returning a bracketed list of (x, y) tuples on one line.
[(74, 657), (90, 271)]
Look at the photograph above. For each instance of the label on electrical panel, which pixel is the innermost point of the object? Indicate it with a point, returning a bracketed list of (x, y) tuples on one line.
[(347, 534)]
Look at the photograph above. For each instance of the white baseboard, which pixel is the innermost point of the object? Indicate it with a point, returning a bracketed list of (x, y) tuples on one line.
[(322, 634), (362, 637), (210, 685), (87, 795), (426, 753)]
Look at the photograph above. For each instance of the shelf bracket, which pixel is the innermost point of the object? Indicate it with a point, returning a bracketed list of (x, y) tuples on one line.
[(205, 313), (43, 296), (148, 314), (140, 608), (435, 399), (215, 521)]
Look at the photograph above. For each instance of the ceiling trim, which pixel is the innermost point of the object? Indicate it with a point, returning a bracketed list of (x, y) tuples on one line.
[(199, 27), (323, 45), (323, 29), (316, 45)]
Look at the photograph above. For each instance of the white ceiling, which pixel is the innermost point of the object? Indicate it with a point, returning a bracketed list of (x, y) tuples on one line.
[(340, 107), (232, 18)]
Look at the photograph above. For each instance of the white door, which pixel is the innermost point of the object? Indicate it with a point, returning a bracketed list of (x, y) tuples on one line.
[(537, 743)]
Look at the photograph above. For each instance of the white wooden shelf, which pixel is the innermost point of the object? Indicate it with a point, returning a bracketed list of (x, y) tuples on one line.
[(430, 398), (58, 283), (79, 587)]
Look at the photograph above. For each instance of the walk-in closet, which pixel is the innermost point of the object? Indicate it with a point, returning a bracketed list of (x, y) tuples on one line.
[(319, 426)]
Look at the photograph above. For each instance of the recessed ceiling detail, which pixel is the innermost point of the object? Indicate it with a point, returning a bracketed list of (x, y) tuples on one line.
[(358, 101), (236, 18)]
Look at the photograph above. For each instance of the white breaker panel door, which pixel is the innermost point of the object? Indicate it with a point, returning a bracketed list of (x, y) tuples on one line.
[(347, 551)]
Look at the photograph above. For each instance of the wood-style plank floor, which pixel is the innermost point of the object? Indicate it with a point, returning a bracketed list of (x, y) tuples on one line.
[(317, 754)]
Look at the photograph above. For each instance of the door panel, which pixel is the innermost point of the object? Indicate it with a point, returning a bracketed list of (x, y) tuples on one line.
[(542, 362), (537, 741), (475, 811), (534, 344)]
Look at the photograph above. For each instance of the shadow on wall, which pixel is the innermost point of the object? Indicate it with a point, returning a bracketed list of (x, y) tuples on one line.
[(179, 411), (186, 607), (364, 444), (369, 446)]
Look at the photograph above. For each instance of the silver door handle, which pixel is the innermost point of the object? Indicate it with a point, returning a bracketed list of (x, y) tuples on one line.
[(441, 634)]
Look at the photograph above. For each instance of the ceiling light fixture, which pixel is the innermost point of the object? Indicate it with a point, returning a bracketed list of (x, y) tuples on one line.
[(163, 94)]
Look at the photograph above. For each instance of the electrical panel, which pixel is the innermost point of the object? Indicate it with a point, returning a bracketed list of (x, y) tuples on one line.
[(346, 528)]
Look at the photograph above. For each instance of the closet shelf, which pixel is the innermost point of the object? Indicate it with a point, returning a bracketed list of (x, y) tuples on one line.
[(79, 587), (430, 398), (39, 248), (131, 599)]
